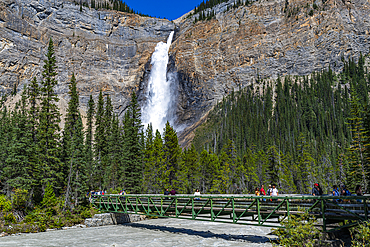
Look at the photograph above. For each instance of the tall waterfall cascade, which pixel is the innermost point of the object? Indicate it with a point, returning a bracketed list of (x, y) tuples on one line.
[(159, 95)]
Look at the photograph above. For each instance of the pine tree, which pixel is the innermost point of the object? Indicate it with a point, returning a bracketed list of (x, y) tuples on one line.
[(133, 160), (99, 142), (73, 149), (149, 161), (49, 169), (161, 176), (358, 166), (107, 146), (114, 171), (17, 170), (89, 151), (172, 152)]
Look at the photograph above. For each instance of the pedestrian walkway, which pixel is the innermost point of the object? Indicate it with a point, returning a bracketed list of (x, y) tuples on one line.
[(244, 210)]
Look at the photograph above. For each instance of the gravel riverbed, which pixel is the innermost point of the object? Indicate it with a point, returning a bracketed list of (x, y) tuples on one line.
[(156, 232)]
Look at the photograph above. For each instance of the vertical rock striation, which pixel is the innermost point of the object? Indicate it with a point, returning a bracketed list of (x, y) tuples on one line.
[(107, 50), (267, 38)]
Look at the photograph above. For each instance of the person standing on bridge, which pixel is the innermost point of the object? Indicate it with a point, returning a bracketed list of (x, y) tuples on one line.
[(358, 192), (335, 192), (257, 192), (263, 192), (166, 193), (315, 190), (173, 192), (197, 193), (274, 191), (269, 190)]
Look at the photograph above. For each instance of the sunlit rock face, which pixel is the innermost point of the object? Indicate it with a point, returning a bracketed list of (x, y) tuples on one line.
[(267, 38), (111, 51), (107, 50)]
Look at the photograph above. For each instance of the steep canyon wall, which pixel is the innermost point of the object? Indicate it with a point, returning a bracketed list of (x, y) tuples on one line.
[(110, 50)]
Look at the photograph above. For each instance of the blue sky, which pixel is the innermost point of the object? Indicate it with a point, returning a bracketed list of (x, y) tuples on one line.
[(163, 8)]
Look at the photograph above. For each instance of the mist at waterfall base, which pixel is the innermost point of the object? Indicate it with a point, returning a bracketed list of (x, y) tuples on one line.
[(162, 90)]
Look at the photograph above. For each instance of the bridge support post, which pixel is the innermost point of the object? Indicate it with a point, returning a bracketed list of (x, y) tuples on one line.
[(176, 211), (136, 206), (212, 213), (161, 206), (287, 207), (323, 214), (233, 201), (365, 209), (258, 211), (192, 209)]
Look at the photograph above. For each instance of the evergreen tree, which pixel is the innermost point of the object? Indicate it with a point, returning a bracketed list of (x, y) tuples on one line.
[(99, 141), (73, 149), (161, 176), (149, 175), (133, 160), (359, 168), (114, 170), (89, 151), (50, 167), (172, 152), (106, 157)]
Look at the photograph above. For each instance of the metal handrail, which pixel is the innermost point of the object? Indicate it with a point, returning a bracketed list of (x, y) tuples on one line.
[(241, 209)]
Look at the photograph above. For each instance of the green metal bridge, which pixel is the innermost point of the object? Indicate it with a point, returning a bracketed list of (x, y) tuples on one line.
[(332, 212)]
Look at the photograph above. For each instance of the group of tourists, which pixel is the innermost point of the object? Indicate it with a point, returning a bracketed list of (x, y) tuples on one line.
[(271, 191), (343, 191), (96, 193), (167, 192)]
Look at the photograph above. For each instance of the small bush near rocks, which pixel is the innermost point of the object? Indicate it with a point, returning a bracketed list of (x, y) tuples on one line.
[(361, 235), (49, 214), (299, 230)]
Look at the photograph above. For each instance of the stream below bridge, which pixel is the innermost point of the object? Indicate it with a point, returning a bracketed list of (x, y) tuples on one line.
[(156, 232)]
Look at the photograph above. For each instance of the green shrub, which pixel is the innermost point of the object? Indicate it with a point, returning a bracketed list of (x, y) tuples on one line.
[(299, 230), (19, 199), (5, 204), (311, 12), (49, 200), (361, 235), (9, 218)]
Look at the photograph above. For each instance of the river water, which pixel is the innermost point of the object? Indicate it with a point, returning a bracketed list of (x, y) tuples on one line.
[(156, 232)]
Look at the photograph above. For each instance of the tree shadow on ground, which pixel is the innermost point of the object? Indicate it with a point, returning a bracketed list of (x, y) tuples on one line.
[(203, 234)]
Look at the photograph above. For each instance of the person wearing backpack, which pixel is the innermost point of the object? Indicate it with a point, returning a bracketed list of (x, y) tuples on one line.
[(315, 190), (345, 191), (335, 193)]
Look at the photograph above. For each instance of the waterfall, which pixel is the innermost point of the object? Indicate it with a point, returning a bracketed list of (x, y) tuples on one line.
[(159, 95)]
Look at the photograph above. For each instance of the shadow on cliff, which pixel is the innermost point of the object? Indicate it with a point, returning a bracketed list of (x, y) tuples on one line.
[(203, 234)]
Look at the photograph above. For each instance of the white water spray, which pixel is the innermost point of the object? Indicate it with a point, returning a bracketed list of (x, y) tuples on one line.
[(159, 88)]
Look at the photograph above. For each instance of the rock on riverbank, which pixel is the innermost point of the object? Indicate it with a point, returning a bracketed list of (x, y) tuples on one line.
[(112, 219)]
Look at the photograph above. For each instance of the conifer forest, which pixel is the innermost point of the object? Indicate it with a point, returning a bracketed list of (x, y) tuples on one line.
[(293, 132)]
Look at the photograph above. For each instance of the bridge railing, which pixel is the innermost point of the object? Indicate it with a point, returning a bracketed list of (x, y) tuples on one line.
[(333, 212)]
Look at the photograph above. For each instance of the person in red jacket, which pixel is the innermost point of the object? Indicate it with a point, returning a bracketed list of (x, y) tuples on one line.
[(262, 191)]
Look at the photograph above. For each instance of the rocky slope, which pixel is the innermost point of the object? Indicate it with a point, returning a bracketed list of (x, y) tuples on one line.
[(107, 50), (267, 38)]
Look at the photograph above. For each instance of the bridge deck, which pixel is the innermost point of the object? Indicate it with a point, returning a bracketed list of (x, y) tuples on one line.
[(333, 212)]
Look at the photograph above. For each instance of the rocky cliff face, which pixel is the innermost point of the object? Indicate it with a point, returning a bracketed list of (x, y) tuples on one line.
[(107, 50), (110, 51), (267, 38)]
